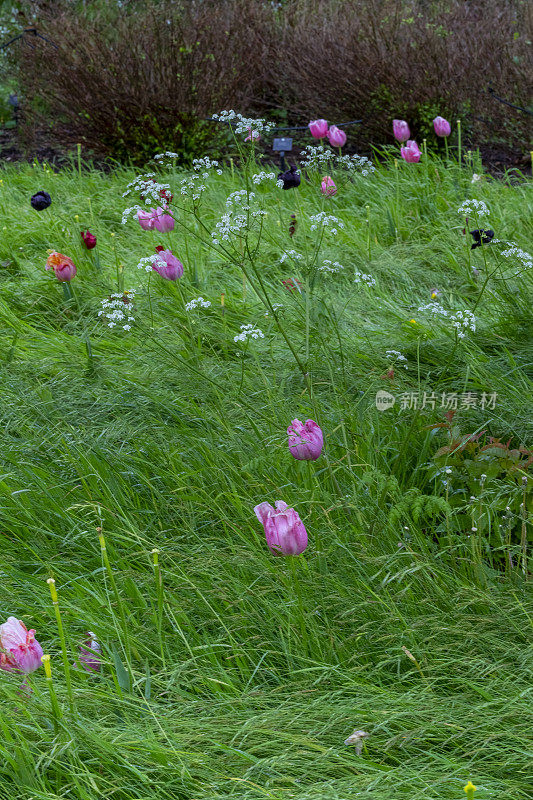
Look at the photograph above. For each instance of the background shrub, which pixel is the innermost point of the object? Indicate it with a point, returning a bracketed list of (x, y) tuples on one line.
[(130, 79)]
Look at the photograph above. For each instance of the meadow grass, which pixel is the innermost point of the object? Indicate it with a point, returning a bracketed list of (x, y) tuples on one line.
[(229, 672)]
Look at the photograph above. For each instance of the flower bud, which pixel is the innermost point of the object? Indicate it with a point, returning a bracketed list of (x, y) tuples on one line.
[(318, 128), (167, 265), (89, 239), (411, 152), (327, 186), (305, 440), (63, 266), (41, 200), (442, 126), (336, 136), (19, 649), (284, 530), (291, 178), (401, 130)]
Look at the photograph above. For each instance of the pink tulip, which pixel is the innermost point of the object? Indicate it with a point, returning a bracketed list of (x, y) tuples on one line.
[(146, 219), (410, 152), (327, 186), (305, 440), (284, 530), (64, 267), (163, 222), (401, 130), (253, 136), (442, 126), (90, 658), (21, 652), (336, 136), (318, 128), (167, 265)]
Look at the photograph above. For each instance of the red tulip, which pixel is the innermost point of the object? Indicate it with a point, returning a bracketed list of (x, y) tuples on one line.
[(89, 239)]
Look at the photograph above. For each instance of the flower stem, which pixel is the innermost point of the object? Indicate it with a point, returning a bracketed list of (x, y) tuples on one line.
[(66, 666)]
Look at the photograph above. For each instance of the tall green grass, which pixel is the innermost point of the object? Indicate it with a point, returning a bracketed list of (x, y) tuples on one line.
[(228, 672)]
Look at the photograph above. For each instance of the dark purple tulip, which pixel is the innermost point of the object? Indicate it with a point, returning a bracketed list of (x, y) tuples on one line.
[(481, 237), (40, 201), (291, 178)]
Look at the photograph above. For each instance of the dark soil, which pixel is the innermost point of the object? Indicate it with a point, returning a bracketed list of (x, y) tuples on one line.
[(497, 159)]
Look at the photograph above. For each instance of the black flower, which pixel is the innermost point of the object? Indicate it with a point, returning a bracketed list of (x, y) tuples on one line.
[(291, 179), (40, 201), (481, 237)]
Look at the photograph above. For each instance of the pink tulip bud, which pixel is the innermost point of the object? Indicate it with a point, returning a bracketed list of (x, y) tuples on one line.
[(442, 126), (410, 152), (318, 128), (327, 186), (284, 530), (167, 265), (253, 136), (63, 266), (90, 654), (401, 130), (163, 222), (336, 136), (305, 440), (20, 651), (146, 219)]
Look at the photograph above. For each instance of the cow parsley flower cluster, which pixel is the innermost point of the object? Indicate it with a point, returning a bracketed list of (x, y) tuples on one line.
[(191, 186), (261, 177), (355, 163), (326, 221), (294, 254), (205, 164), (129, 211), (148, 189), (199, 302), (463, 321), (397, 357), (362, 277), (330, 266), (148, 262), (473, 208), (243, 124), (117, 309), (167, 159), (239, 197), (248, 332), (434, 308), (513, 251), (315, 156), (232, 223)]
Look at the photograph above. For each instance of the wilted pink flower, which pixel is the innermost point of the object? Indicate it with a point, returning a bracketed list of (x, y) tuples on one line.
[(327, 186), (305, 440), (63, 266), (318, 128), (90, 654), (410, 152), (167, 265), (401, 130), (146, 219), (284, 530), (20, 651), (253, 136), (163, 222), (336, 136), (442, 126)]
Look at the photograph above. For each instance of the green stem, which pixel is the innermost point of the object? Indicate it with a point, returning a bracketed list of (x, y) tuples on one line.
[(66, 666)]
